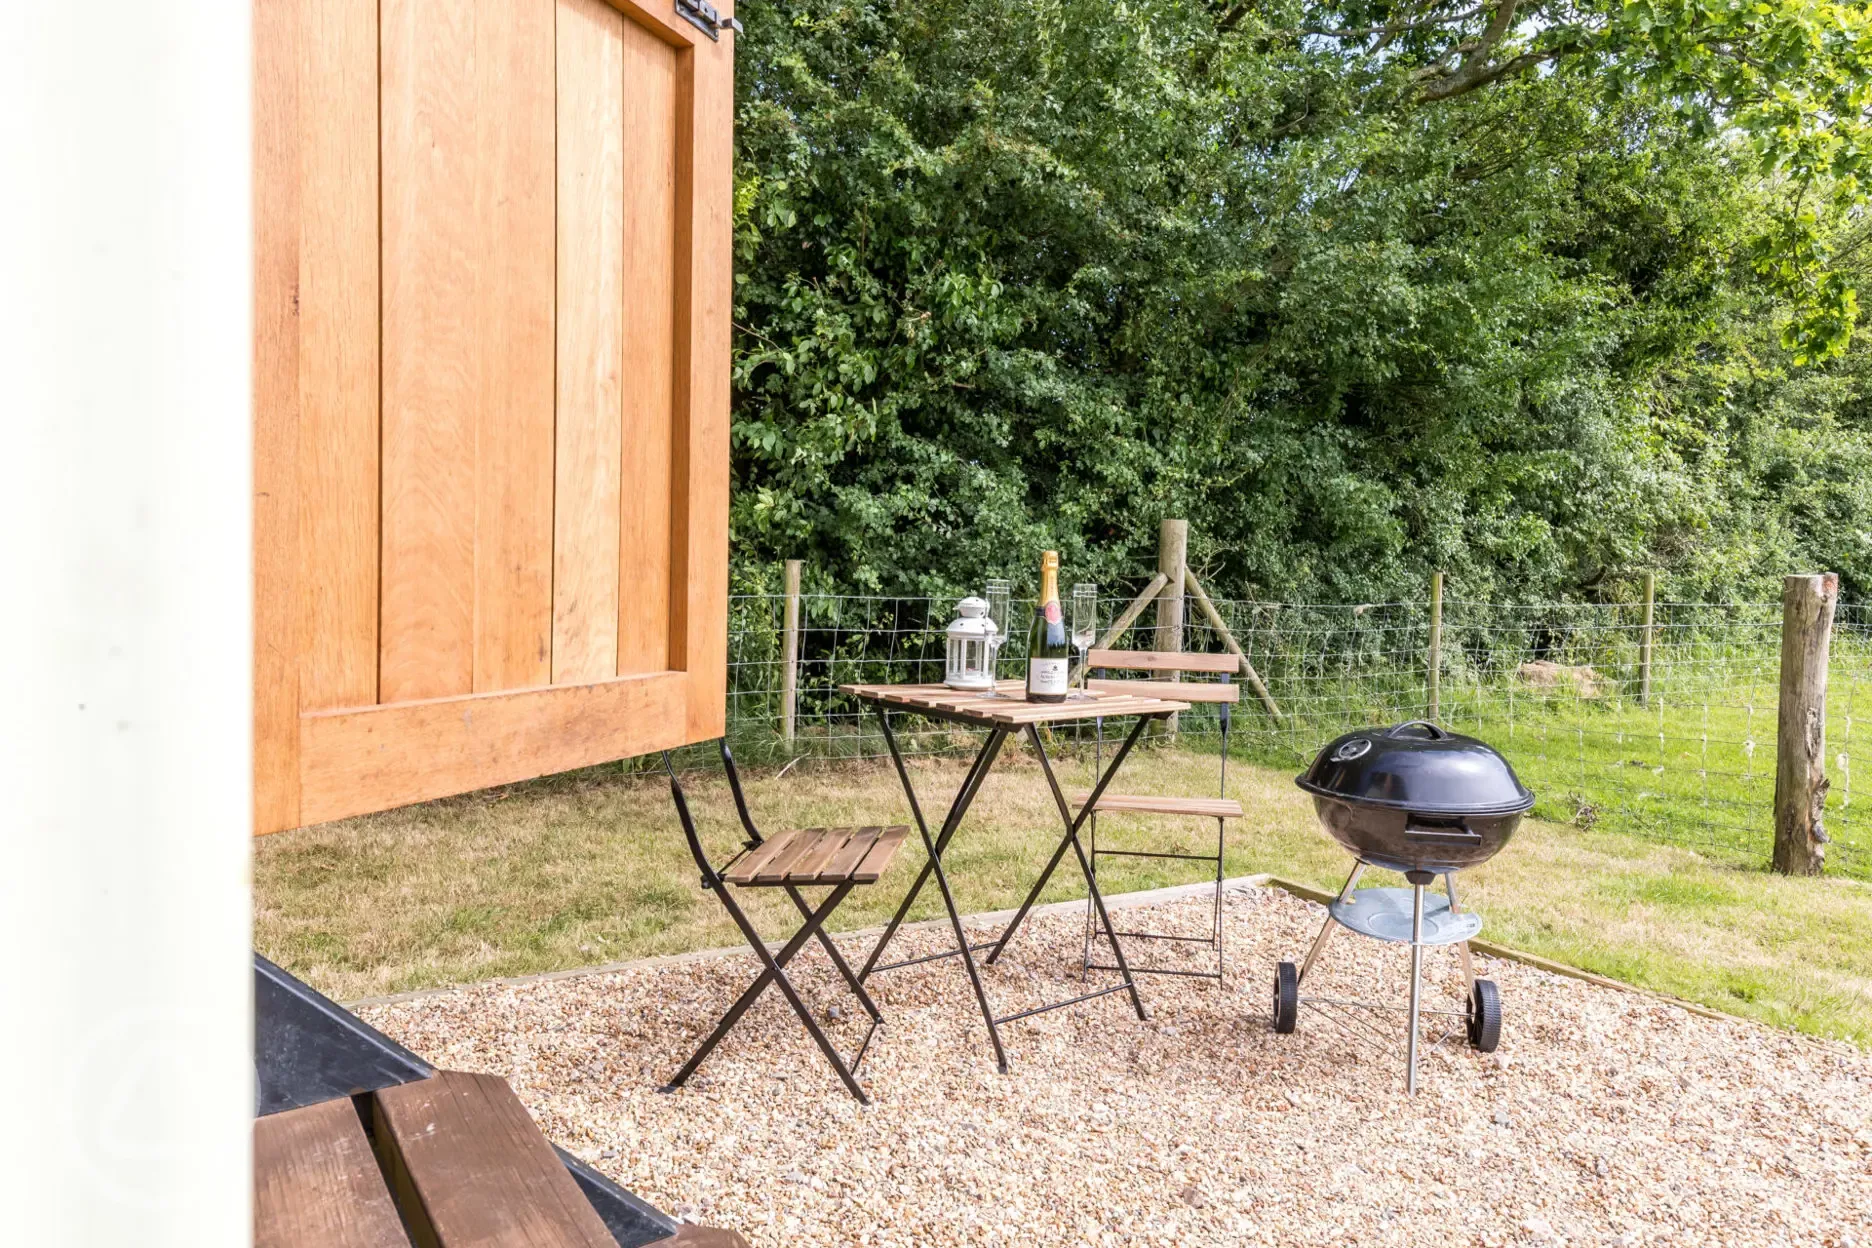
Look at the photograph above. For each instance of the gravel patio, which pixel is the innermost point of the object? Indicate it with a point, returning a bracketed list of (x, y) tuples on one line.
[(1606, 1117)]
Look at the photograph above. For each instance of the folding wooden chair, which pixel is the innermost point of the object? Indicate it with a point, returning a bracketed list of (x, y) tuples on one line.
[(839, 858), (1221, 807)]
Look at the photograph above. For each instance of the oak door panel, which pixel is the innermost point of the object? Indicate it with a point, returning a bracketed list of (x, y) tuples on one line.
[(338, 356), (586, 498), (699, 458), (433, 239), (491, 358), (650, 267), (359, 761)]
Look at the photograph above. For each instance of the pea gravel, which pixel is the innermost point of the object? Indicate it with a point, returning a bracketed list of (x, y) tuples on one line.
[(1606, 1117)]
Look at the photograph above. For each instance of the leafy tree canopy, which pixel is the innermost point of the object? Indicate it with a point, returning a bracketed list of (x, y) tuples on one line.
[(1539, 294)]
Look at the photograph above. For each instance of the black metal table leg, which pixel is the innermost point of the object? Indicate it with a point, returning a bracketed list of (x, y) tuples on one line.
[(935, 848), (1085, 866), (971, 783), (1072, 827)]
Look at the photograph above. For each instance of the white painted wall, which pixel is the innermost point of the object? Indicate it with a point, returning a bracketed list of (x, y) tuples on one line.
[(125, 988)]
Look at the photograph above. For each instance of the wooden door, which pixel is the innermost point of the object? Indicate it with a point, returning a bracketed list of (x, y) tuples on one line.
[(491, 409)]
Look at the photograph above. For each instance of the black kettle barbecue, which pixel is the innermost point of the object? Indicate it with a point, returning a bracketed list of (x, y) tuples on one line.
[(1427, 802)]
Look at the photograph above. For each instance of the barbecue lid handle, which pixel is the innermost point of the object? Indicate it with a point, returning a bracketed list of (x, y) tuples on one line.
[(1430, 730)]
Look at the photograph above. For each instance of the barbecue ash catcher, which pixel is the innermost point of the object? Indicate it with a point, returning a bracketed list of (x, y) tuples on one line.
[(1416, 799)]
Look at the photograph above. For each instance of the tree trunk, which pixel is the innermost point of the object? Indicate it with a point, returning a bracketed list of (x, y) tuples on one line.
[(1800, 760)]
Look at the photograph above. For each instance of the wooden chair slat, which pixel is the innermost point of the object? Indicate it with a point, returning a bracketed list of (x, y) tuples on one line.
[(1151, 804), (828, 842), (750, 863), (1163, 661), (856, 846), (799, 845), (882, 851), (471, 1167), (1178, 691), (316, 1182)]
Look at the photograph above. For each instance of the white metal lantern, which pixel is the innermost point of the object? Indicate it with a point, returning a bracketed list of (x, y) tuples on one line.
[(973, 641)]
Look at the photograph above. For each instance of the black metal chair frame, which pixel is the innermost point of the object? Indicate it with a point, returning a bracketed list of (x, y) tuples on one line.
[(773, 964), (1214, 939)]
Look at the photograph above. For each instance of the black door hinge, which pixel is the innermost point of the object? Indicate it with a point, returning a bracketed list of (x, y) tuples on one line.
[(703, 16)]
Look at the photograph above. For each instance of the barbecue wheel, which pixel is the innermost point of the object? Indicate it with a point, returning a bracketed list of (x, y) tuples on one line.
[(1485, 1016), (1287, 998)]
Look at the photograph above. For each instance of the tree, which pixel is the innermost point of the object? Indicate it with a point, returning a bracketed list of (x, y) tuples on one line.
[(1793, 78), (1016, 277)]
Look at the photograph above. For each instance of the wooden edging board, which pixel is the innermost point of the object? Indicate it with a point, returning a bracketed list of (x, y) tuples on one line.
[(1489, 949), (1147, 897)]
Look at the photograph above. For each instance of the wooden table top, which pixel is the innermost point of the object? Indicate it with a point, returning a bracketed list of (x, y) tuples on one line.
[(1011, 709)]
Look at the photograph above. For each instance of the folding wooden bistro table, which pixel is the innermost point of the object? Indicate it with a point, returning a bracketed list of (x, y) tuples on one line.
[(1002, 714)]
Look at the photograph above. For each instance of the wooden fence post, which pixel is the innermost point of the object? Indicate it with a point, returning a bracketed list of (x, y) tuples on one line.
[(1434, 675), (789, 647), (1648, 639), (1807, 604), (1172, 558)]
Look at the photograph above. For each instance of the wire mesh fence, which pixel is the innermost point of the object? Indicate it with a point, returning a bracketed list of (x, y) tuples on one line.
[(1681, 749)]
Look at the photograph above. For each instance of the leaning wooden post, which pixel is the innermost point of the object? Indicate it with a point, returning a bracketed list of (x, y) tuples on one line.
[(1234, 647), (1145, 597), (1648, 639), (1172, 559), (1807, 604), (1434, 675), (789, 653)]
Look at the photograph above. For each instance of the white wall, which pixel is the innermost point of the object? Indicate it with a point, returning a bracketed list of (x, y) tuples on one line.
[(125, 1064)]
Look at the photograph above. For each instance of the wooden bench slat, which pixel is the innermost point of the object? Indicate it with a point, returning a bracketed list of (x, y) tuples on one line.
[(472, 1170), (316, 1182), (872, 868), (1180, 691), (1163, 661), (1151, 804), (691, 1236)]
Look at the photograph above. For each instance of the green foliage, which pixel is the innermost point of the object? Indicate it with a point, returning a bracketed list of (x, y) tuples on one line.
[(1012, 277)]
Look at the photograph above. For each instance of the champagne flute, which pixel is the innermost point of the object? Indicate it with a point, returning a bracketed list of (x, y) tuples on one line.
[(1000, 595), (1084, 624)]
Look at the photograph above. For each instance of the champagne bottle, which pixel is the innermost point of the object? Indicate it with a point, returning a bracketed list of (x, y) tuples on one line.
[(1047, 645)]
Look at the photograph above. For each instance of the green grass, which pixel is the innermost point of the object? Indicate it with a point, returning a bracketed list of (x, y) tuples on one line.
[(1694, 767), (582, 870)]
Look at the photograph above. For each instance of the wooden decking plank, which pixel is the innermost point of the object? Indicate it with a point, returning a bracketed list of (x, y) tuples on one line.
[(316, 1182), (878, 858), (472, 1170)]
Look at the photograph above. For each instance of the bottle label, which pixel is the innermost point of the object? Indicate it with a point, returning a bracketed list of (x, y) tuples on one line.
[(1046, 675), (1052, 612)]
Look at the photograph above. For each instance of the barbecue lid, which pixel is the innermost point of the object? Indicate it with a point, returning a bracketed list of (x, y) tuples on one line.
[(1416, 766)]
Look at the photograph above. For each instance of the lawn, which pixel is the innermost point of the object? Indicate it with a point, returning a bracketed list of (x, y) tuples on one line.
[(1693, 766), (579, 870)]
